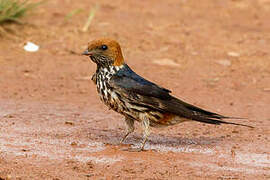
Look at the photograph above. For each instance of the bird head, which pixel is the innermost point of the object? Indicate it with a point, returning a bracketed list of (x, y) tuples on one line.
[(105, 52)]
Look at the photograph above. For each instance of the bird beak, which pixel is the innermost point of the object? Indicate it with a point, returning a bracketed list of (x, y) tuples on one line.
[(87, 53)]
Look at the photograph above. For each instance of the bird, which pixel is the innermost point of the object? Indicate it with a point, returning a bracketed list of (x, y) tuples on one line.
[(138, 99)]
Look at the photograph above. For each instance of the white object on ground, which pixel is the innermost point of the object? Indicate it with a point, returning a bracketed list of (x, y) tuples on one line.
[(233, 54), (31, 47)]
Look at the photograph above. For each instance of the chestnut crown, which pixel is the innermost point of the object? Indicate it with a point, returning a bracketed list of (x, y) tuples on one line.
[(105, 52)]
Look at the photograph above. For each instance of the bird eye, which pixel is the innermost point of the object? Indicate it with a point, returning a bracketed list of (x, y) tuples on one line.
[(104, 47)]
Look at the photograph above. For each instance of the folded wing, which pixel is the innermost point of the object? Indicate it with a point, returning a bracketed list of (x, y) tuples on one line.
[(158, 98)]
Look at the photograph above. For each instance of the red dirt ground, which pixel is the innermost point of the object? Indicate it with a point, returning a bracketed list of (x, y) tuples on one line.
[(214, 54)]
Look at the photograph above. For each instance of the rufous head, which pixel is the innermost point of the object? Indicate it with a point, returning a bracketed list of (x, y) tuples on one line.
[(105, 52)]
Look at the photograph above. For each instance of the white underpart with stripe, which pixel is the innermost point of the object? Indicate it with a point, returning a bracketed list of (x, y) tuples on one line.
[(107, 95)]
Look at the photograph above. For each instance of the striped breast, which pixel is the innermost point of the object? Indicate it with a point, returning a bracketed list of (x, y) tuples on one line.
[(107, 95)]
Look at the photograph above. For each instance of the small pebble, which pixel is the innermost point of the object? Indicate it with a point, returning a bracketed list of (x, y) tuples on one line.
[(224, 62), (233, 54), (69, 123), (73, 144), (166, 62)]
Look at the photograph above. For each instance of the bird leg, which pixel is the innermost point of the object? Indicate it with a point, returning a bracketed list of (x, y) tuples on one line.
[(146, 133), (130, 128), (146, 128)]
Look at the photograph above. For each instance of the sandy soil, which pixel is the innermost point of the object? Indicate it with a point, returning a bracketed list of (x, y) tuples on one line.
[(213, 54)]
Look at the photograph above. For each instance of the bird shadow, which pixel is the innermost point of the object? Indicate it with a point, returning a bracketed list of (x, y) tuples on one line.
[(113, 137)]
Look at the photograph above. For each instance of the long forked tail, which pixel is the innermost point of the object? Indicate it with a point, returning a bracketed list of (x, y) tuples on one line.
[(204, 116), (198, 114), (218, 120)]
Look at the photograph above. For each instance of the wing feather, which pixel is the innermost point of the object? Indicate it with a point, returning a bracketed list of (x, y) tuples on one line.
[(128, 80), (158, 98)]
